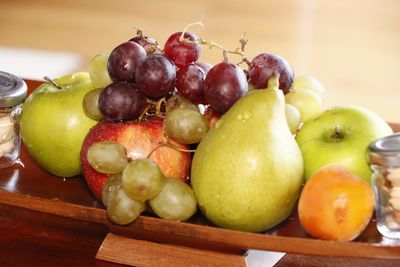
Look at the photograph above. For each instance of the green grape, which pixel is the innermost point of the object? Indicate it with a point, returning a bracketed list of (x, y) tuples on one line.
[(142, 179), (308, 83), (107, 157), (293, 117), (112, 184), (122, 209), (186, 126), (176, 201), (90, 104), (307, 102), (98, 72), (178, 101)]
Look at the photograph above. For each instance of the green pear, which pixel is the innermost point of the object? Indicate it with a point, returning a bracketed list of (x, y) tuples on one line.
[(53, 124), (247, 171)]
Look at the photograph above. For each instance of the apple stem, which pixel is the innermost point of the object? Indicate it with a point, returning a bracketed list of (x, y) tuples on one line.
[(337, 134), (52, 82)]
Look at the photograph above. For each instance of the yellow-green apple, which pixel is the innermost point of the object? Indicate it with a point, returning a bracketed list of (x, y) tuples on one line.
[(340, 135), (142, 139), (53, 124)]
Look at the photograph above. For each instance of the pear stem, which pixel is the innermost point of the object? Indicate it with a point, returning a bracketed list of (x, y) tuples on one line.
[(52, 82), (273, 81)]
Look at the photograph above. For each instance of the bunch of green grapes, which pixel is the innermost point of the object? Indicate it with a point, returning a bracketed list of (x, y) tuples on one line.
[(304, 101), (131, 185)]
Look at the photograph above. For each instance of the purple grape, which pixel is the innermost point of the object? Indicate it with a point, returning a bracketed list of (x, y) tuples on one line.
[(123, 61), (225, 83), (155, 76), (204, 66), (190, 83), (179, 52), (148, 43), (121, 101), (264, 65)]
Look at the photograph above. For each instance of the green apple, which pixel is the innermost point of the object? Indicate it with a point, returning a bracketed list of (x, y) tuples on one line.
[(53, 124), (340, 135)]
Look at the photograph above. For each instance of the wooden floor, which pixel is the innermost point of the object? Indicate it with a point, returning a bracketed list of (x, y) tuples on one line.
[(353, 47)]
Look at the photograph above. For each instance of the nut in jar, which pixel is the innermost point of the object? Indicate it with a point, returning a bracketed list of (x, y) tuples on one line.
[(394, 199), (384, 157), (13, 91), (7, 134)]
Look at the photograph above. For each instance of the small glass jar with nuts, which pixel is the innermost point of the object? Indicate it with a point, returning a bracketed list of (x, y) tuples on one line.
[(13, 91), (384, 157)]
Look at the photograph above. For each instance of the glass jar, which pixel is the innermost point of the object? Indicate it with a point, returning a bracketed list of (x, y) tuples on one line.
[(384, 157), (13, 92)]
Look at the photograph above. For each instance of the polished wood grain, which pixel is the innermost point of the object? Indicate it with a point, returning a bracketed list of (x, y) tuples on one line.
[(353, 47), (30, 238), (200, 236), (135, 252)]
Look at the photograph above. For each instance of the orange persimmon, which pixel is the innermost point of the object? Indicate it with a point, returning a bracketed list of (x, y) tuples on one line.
[(335, 204)]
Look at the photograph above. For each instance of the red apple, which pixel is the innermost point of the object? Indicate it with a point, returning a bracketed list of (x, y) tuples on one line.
[(140, 139)]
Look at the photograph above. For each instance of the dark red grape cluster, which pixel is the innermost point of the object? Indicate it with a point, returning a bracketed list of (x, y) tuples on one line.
[(143, 73)]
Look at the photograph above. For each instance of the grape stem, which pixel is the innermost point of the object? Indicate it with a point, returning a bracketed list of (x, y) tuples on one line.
[(154, 46), (170, 145), (139, 32), (158, 106), (211, 44), (52, 82)]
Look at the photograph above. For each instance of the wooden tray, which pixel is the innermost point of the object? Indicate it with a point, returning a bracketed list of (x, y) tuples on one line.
[(30, 187)]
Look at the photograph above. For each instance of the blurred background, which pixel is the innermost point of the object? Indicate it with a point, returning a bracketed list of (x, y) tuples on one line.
[(352, 47)]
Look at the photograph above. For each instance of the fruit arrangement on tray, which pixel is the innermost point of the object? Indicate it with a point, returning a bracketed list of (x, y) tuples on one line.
[(156, 130)]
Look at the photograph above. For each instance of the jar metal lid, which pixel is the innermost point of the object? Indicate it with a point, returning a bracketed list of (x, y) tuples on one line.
[(13, 90), (385, 151)]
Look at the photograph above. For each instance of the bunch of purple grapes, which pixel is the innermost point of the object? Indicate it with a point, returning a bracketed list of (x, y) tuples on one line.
[(143, 73)]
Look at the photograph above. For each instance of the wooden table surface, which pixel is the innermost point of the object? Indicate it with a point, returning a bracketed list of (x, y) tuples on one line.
[(32, 238), (353, 47), (36, 239)]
